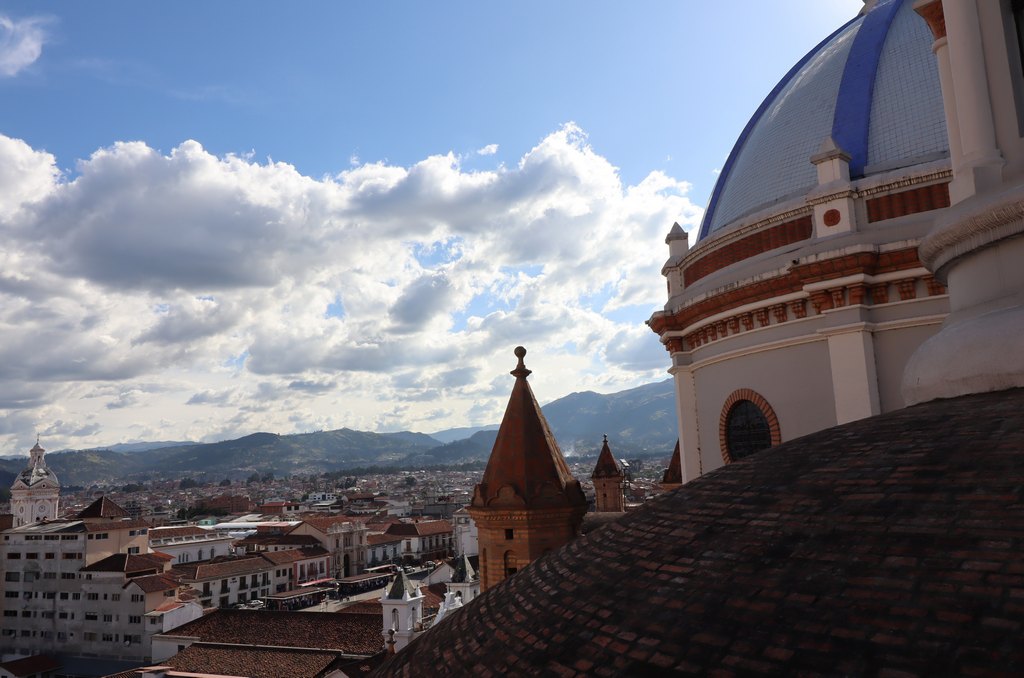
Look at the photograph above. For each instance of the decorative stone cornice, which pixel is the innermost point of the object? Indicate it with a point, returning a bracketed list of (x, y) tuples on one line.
[(989, 221)]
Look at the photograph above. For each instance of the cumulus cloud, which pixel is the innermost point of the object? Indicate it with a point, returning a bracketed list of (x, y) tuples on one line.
[(489, 149), (21, 43), (216, 277)]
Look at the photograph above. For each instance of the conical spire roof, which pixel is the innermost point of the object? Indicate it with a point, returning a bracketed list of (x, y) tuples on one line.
[(526, 468), (674, 472), (401, 587), (464, 571), (606, 466)]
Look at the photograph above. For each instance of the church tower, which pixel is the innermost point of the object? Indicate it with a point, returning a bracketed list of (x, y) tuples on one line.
[(528, 503), (608, 482), (35, 492), (402, 606)]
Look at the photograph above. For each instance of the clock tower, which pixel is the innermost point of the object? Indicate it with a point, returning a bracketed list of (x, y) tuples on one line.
[(35, 492)]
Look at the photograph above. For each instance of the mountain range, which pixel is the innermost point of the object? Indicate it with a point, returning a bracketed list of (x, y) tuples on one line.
[(638, 422)]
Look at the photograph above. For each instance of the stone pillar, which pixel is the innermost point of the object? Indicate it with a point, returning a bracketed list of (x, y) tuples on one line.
[(854, 379), (686, 411), (981, 160)]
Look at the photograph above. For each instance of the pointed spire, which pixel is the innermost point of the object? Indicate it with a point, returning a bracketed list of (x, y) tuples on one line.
[(674, 473), (526, 468), (606, 466), (402, 588), (463, 570)]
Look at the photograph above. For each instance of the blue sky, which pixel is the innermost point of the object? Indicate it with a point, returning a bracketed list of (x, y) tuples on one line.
[(227, 217)]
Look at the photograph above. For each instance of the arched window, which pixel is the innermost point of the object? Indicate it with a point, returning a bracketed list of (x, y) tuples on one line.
[(511, 567), (746, 430), (748, 424), (394, 619)]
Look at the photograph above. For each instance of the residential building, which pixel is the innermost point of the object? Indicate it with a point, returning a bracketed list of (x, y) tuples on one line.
[(344, 537), (190, 543)]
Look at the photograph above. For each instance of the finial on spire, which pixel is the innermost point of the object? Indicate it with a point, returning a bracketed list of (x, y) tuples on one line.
[(520, 372), (605, 438)]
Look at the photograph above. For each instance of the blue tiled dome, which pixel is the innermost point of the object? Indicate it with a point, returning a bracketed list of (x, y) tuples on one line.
[(872, 85)]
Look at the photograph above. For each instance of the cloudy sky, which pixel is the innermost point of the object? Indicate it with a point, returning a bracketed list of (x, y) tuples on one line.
[(222, 218)]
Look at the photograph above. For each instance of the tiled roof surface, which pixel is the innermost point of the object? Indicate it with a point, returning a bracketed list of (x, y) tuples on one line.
[(377, 539), (526, 457), (298, 540), (252, 662), (356, 634), (887, 546), (221, 567), (424, 528), (155, 582), (322, 523), (105, 525), (606, 466), (294, 555), (184, 531), (123, 562), (26, 666), (102, 508)]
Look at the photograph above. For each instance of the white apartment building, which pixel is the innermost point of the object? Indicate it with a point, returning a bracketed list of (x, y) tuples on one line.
[(190, 543), (68, 583)]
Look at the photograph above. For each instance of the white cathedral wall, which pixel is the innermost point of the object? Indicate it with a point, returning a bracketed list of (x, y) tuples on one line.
[(796, 380)]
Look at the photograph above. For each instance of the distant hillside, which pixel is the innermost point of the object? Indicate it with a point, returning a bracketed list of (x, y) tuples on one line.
[(450, 435), (639, 421)]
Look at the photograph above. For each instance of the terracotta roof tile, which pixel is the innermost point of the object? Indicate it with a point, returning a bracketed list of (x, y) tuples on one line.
[(294, 555), (221, 567), (355, 634), (423, 528), (526, 457), (251, 662), (886, 546), (606, 466), (155, 582), (26, 666), (102, 508)]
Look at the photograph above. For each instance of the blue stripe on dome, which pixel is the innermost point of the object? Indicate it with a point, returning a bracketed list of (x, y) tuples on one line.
[(723, 177), (853, 104)]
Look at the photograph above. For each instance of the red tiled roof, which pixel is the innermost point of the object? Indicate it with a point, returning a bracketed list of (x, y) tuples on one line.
[(526, 456), (294, 555), (251, 662), (172, 532), (26, 666), (606, 466), (299, 540), (322, 523), (425, 528), (357, 634), (886, 546), (377, 539), (221, 567), (102, 508), (152, 583), (105, 525), (129, 564)]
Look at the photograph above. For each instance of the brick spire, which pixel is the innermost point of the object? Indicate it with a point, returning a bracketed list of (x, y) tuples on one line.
[(606, 466), (673, 477), (526, 468), (528, 503)]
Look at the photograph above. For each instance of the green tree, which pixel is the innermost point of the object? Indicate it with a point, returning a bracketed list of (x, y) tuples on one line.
[(225, 483)]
